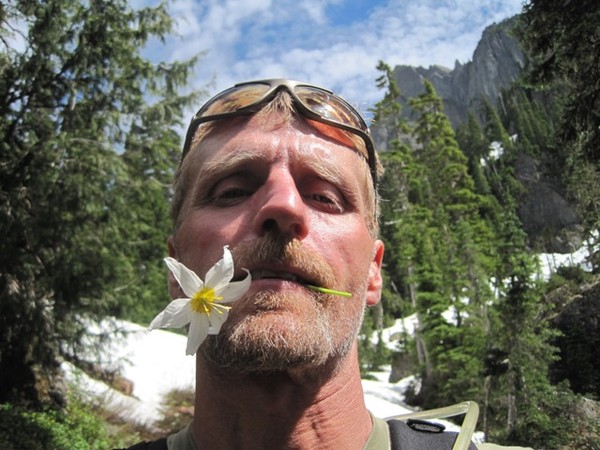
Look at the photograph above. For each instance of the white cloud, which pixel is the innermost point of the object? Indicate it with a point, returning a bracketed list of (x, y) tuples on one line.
[(302, 39), (315, 10)]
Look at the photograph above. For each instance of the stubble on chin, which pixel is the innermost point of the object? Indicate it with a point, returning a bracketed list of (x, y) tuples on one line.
[(271, 338), (274, 331)]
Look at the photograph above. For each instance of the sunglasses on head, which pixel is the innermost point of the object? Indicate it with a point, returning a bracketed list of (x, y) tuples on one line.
[(312, 102)]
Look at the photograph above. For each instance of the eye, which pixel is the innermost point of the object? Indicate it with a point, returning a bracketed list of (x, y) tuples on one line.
[(231, 194), (231, 191), (322, 199), (326, 197)]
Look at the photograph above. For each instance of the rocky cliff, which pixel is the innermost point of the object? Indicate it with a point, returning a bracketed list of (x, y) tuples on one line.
[(497, 62), (549, 219)]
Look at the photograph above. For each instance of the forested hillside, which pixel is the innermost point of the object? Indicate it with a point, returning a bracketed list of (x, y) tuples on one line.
[(466, 209), (90, 140)]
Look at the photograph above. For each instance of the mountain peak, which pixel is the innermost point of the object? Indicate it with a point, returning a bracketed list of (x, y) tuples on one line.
[(497, 62)]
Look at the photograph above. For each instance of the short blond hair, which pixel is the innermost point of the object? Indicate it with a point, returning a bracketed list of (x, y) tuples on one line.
[(282, 107)]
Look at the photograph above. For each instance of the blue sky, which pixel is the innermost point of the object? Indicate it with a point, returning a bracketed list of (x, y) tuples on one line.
[(333, 43)]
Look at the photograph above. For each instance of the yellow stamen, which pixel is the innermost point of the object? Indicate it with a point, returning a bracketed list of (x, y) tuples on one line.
[(204, 301)]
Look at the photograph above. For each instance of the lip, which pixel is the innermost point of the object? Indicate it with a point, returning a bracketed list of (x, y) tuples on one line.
[(276, 285), (277, 274)]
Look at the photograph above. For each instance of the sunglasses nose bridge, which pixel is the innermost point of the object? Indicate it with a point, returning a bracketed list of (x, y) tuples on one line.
[(291, 89)]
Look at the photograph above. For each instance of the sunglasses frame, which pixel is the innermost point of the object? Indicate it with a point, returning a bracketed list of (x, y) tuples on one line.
[(276, 85)]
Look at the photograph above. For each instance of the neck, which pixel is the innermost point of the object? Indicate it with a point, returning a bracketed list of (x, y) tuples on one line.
[(288, 410)]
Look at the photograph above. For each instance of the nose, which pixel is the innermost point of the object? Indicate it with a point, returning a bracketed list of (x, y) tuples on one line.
[(281, 208)]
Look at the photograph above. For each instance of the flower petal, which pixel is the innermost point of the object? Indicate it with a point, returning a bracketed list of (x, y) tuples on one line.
[(187, 279), (234, 290), (222, 272), (177, 314), (216, 320), (197, 334)]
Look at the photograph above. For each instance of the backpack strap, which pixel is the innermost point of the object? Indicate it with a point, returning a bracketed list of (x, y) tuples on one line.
[(404, 437)]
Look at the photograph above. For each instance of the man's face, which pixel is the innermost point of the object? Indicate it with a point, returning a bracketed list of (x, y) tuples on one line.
[(292, 207)]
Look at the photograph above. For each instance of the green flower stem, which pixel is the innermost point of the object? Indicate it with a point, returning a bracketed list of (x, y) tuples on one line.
[(329, 291)]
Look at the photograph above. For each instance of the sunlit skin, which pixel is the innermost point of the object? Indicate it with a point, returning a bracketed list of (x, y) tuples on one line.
[(249, 178)]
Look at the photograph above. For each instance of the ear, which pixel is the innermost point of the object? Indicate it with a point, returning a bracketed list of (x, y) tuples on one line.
[(174, 288), (375, 282)]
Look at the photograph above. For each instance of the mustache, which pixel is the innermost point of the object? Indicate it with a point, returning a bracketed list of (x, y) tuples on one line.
[(275, 248)]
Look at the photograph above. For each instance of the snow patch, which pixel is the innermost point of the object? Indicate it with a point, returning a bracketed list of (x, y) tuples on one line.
[(155, 362), (550, 262)]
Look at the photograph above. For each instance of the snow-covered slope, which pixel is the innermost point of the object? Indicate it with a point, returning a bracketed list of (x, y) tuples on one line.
[(155, 363)]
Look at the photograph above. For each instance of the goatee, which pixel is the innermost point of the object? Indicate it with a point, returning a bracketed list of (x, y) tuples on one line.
[(275, 331)]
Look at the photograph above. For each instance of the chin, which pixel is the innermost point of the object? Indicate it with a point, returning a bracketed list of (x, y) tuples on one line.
[(270, 342), (276, 331)]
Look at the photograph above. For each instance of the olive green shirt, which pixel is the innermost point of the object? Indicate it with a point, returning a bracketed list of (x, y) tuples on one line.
[(181, 440), (379, 439)]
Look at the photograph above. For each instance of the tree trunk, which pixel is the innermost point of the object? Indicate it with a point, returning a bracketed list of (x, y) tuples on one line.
[(487, 390), (421, 346), (511, 415)]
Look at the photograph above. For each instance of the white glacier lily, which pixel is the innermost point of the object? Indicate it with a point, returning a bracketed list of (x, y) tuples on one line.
[(205, 307)]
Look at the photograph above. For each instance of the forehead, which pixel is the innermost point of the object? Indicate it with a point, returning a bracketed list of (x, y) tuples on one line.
[(269, 138)]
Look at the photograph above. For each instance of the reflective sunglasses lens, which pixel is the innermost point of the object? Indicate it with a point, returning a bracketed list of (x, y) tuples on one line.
[(329, 106), (233, 99)]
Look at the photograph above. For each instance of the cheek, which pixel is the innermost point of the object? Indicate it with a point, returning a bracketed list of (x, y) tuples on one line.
[(348, 248), (200, 239)]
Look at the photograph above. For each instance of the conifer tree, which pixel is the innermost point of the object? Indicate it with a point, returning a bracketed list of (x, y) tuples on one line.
[(493, 127), (474, 144), (441, 248), (393, 191), (74, 90), (520, 405), (397, 162), (453, 274), (521, 338)]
